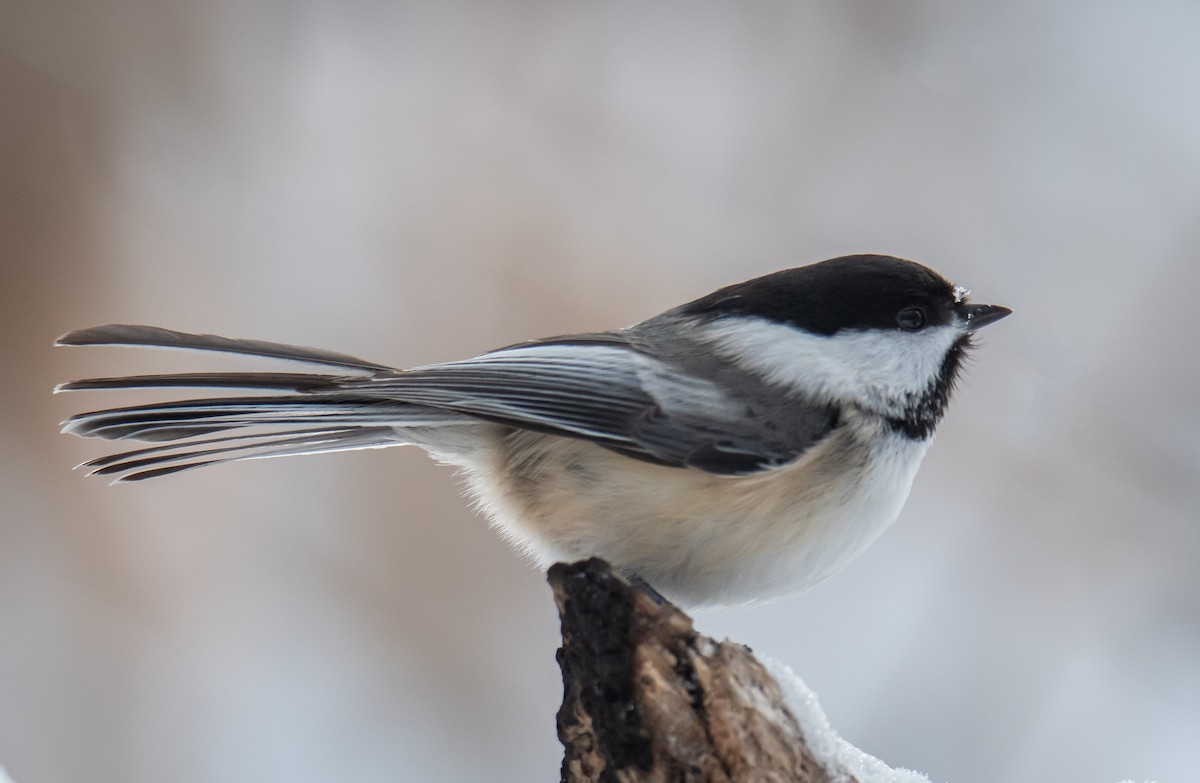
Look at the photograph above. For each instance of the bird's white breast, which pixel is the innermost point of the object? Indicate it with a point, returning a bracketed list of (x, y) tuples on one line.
[(697, 537)]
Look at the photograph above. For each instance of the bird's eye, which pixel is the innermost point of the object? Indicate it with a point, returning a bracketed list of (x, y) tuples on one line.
[(911, 318)]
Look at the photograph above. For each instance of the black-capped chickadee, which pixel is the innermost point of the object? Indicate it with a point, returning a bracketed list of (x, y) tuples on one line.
[(748, 443)]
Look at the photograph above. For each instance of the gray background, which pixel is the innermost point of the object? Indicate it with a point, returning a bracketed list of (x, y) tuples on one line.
[(414, 182)]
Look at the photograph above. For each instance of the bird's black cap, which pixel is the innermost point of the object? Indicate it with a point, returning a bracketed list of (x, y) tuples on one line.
[(850, 292)]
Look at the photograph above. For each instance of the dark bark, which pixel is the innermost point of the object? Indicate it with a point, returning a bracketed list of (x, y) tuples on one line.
[(646, 698)]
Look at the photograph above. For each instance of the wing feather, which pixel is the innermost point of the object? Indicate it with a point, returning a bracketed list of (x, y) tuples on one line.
[(620, 396)]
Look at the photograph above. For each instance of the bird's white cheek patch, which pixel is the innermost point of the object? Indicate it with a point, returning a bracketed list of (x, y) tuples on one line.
[(875, 367)]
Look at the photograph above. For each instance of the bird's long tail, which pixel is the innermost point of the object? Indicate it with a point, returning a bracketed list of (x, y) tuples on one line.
[(306, 413)]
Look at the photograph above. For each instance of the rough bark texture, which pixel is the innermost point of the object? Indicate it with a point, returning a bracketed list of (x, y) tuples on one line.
[(646, 698)]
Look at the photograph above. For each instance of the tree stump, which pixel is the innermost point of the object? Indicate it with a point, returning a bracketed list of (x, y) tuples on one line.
[(646, 698)]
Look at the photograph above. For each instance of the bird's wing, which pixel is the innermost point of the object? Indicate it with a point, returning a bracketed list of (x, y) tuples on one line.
[(604, 389)]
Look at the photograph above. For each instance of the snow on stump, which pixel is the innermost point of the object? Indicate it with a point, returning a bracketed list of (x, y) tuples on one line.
[(646, 698)]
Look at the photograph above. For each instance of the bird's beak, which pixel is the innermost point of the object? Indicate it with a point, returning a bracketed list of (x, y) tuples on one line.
[(980, 315)]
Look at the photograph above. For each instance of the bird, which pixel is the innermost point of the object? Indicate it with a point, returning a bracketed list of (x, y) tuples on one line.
[(743, 445)]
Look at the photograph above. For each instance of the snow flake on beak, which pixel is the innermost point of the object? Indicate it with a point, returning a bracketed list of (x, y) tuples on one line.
[(961, 294)]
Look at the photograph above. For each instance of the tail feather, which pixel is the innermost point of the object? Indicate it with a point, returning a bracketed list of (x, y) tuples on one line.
[(131, 466), (108, 459), (176, 420), (297, 413), (153, 336), (277, 381)]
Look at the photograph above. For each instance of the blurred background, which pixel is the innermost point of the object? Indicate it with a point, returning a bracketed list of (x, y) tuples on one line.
[(421, 181)]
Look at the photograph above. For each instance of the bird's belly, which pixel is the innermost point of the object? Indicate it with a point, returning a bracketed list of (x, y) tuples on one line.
[(697, 537)]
